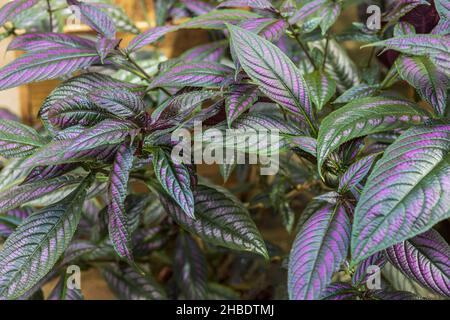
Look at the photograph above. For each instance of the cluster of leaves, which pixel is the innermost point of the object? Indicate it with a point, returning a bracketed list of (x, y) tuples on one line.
[(97, 187)]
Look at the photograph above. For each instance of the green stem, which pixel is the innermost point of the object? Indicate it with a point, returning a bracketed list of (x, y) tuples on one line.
[(302, 46), (50, 14)]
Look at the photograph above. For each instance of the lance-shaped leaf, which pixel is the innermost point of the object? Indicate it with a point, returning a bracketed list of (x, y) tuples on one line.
[(148, 37), (13, 8), (212, 52), (128, 284), (62, 292), (276, 74), (34, 248), (45, 41), (426, 78), (18, 140), (239, 100), (255, 4), (357, 92), (12, 174), (175, 178), (22, 194), (339, 291), (218, 18), (69, 105), (366, 268), (95, 18), (318, 251), (435, 47), (45, 65), (443, 7), (195, 74), (49, 172), (190, 268), (339, 66), (221, 220), (424, 258), (306, 144), (442, 28), (198, 7), (393, 295), (321, 88), (268, 28), (107, 132), (356, 173), (119, 232), (307, 10), (406, 193), (121, 103), (12, 219), (118, 16), (106, 46), (404, 29), (364, 117), (329, 14), (399, 8)]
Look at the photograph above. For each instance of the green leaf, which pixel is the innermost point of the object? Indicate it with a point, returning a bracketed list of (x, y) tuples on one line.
[(18, 140), (364, 117), (321, 88), (34, 248), (175, 179), (406, 194), (221, 220)]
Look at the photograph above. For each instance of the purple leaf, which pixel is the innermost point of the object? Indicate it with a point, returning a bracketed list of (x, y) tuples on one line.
[(403, 29), (95, 18), (51, 64), (175, 178), (69, 105), (277, 76), (49, 172), (443, 7), (426, 259), (405, 194), (198, 7), (194, 74), (128, 284), (318, 251), (356, 173), (306, 144), (357, 92), (220, 219), (148, 37), (442, 28), (18, 140), (307, 10), (435, 47), (339, 291), (361, 273), (107, 132), (190, 268), (119, 232), (255, 4), (364, 117), (13, 8), (239, 100), (33, 42), (393, 295), (426, 78), (19, 195), (106, 46), (268, 28), (218, 18), (121, 103), (210, 52), (32, 250), (12, 219), (401, 7)]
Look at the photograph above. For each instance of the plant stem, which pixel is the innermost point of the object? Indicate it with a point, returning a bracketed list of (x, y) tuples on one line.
[(300, 43), (326, 52), (50, 14), (141, 72)]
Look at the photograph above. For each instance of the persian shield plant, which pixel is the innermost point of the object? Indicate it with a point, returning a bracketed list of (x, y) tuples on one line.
[(359, 207)]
